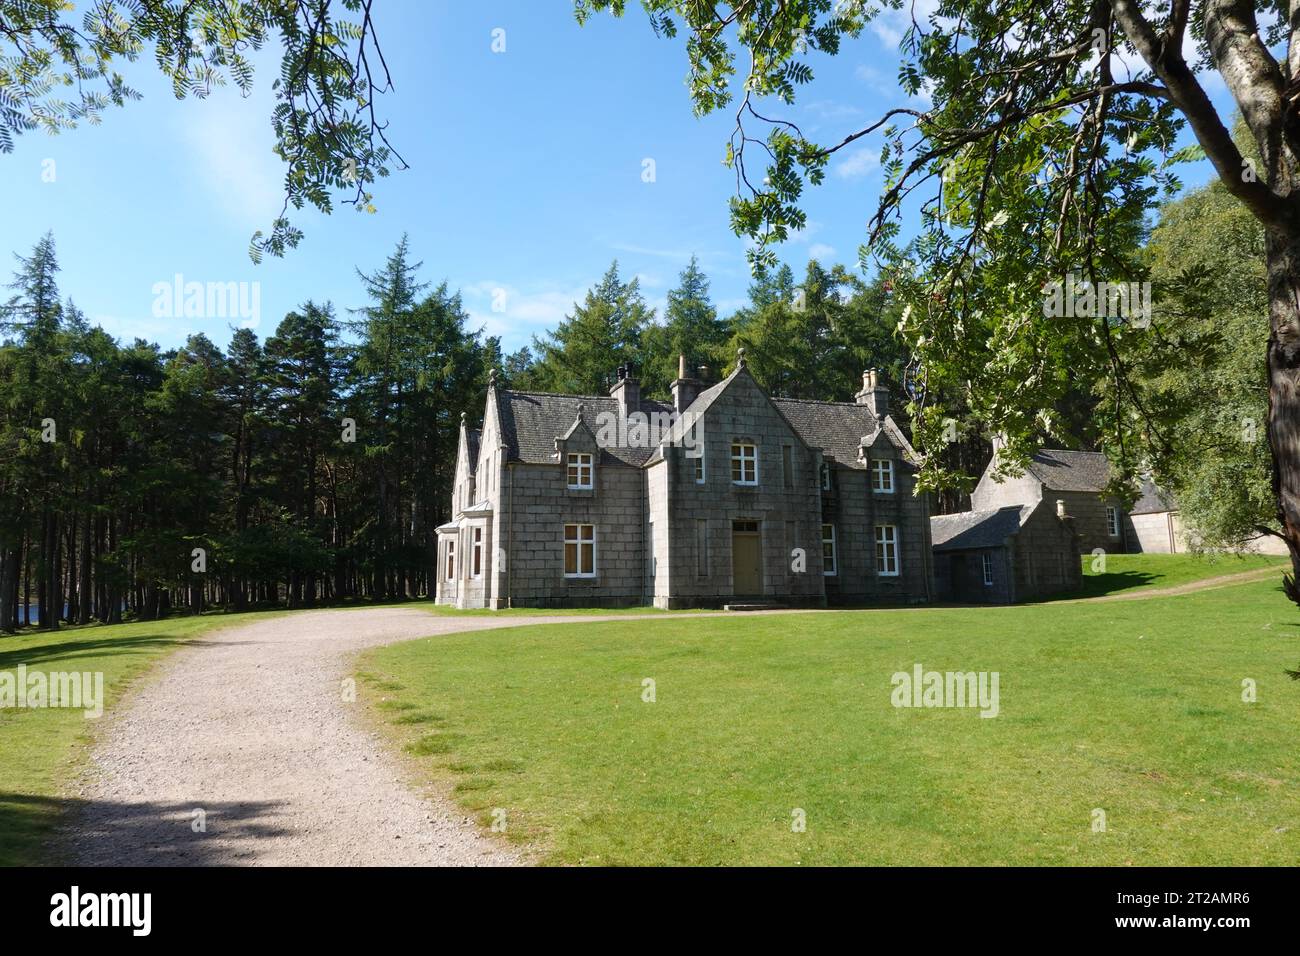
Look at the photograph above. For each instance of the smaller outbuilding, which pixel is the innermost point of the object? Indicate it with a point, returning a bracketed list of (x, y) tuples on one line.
[(1005, 555)]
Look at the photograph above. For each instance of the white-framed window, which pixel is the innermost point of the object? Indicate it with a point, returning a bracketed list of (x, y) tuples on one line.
[(1112, 521), (699, 466), (451, 559), (476, 553), (579, 551), (887, 550), (882, 476), (744, 464), (829, 565), (580, 470), (986, 561), (826, 477)]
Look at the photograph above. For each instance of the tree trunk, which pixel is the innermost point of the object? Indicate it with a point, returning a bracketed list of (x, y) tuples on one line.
[(1284, 391), (8, 588), (85, 609)]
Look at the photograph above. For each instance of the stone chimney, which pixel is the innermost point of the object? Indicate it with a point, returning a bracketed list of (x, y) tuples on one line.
[(685, 388), (874, 395), (627, 390)]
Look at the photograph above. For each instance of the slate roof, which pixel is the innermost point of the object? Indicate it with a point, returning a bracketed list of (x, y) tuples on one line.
[(1062, 470), (838, 428), (977, 529), (1152, 500), (531, 421), (473, 436)]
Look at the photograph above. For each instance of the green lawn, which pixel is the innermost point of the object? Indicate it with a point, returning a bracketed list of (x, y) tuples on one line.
[(1136, 572), (1133, 708), (41, 749)]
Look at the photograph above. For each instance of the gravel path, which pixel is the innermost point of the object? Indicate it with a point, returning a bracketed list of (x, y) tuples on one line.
[(248, 724)]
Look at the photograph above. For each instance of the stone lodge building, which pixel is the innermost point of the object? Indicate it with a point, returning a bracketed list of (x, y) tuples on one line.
[(1004, 555), (722, 496), (1077, 478)]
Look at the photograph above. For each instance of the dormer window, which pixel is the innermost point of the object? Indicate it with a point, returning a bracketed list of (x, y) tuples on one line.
[(882, 476), (744, 464), (580, 471)]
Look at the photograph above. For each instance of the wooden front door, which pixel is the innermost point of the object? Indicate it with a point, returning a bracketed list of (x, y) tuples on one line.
[(746, 559)]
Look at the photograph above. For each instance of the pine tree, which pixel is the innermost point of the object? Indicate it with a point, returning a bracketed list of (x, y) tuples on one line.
[(690, 328), (601, 334)]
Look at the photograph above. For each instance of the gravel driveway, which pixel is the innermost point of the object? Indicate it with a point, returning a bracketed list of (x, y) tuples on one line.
[(248, 725)]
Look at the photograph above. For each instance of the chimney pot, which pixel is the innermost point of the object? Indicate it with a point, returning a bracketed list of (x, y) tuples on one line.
[(874, 395), (627, 390), (684, 389)]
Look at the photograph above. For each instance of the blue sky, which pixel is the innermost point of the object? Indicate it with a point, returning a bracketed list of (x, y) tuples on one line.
[(526, 175)]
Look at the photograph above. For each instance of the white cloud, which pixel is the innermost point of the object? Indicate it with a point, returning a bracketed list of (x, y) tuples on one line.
[(810, 229), (154, 330), (516, 315), (857, 164), (821, 251), (829, 111), (229, 142), (869, 74), (889, 24), (683, 254)]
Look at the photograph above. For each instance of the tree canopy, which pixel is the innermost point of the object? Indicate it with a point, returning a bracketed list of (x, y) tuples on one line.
[(332, 72), (1036, 138)]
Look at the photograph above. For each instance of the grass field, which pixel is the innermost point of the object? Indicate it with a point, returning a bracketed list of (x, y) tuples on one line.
[(42, 748), (1130, 708), (754, 713)]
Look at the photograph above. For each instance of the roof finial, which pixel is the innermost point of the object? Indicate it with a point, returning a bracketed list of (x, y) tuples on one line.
[(740, 357), (462, 419), (492, 377)]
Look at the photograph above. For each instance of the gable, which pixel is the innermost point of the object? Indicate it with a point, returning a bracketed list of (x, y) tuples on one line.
[(735, 408)]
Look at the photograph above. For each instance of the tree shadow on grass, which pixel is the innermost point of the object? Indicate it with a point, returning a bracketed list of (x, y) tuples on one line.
[(1112, 582), (69, 650), (44, 831)]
